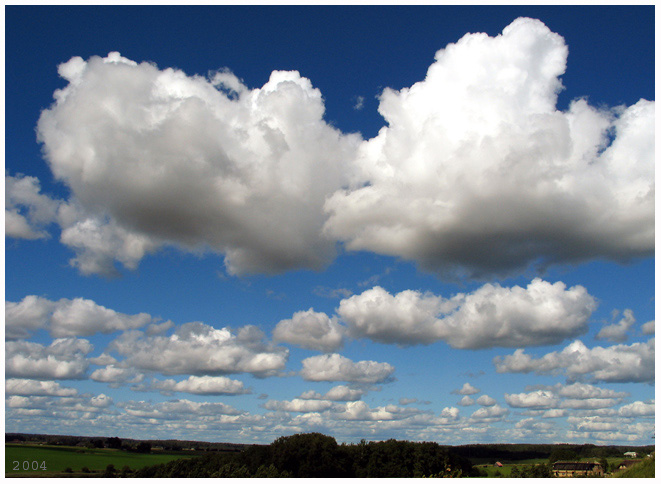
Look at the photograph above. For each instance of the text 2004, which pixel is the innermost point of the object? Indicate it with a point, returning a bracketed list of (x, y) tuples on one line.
[(27, 465)]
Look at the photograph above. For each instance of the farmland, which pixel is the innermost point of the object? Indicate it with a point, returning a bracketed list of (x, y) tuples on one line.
[(48, 460)]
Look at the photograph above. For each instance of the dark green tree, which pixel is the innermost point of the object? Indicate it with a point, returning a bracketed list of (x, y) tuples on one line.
[(308, 455), (143, 448), (563, 454), (114, 443), (110, 471)]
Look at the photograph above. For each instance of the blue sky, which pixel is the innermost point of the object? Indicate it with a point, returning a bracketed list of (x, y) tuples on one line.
[(422, 223)]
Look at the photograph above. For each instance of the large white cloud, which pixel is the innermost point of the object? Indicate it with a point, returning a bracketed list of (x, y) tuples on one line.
[(198, 349), (540, 314), (66, 317), (619, 363), (196, 162), (478, 173), (335, 367), (312, 330)]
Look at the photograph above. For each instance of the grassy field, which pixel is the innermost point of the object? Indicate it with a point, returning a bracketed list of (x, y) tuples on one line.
[(644, 468), (506, 470), (23, 459)]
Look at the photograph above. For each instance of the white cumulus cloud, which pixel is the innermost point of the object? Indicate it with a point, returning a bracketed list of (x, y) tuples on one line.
[(618, 332), (19, 386), (311, 330), (539, 314), (536, 399), (157, 157), (619, 363), (66, 317), (335, 367), (63, 359), (199, 349), (200, 385), (27, 212), (477, 173)]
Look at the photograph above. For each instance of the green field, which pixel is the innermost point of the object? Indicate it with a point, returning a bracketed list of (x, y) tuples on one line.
[(506, 470), (48, 459)]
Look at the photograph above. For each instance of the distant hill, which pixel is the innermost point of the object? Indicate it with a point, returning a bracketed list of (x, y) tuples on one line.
[(170, 444)]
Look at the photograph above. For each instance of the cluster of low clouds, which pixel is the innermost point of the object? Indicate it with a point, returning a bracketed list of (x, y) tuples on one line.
[(475, 174), (195, 359)]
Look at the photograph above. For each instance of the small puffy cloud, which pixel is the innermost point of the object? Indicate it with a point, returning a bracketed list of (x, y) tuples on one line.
[(66, 317), (407, 401), (116, 375), (335, 367), (198, 349), (536, 399), (492, 413), (485, 401), (157, 157), (339, 393), (330, 293), (466, 389), (619, 363), (360, 411), (63, 359), (18, 386), (466, 401), (478, 174), (539, 314), (77, 407), (310, 330), (554, 413), (618, 332), (298, 405), (176, 409), (27, 212), (580, 390), (200, 385), (589, 403), (637, 409), (648, 327), (532, 424), (98, 242), (104, 359)]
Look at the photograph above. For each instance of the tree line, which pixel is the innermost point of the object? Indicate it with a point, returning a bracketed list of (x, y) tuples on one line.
[(316, 455)]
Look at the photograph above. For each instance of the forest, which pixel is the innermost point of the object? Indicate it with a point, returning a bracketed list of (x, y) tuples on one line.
[(316, 455)]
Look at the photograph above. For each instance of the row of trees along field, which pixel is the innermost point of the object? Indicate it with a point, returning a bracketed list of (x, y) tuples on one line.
[(318, 455)]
